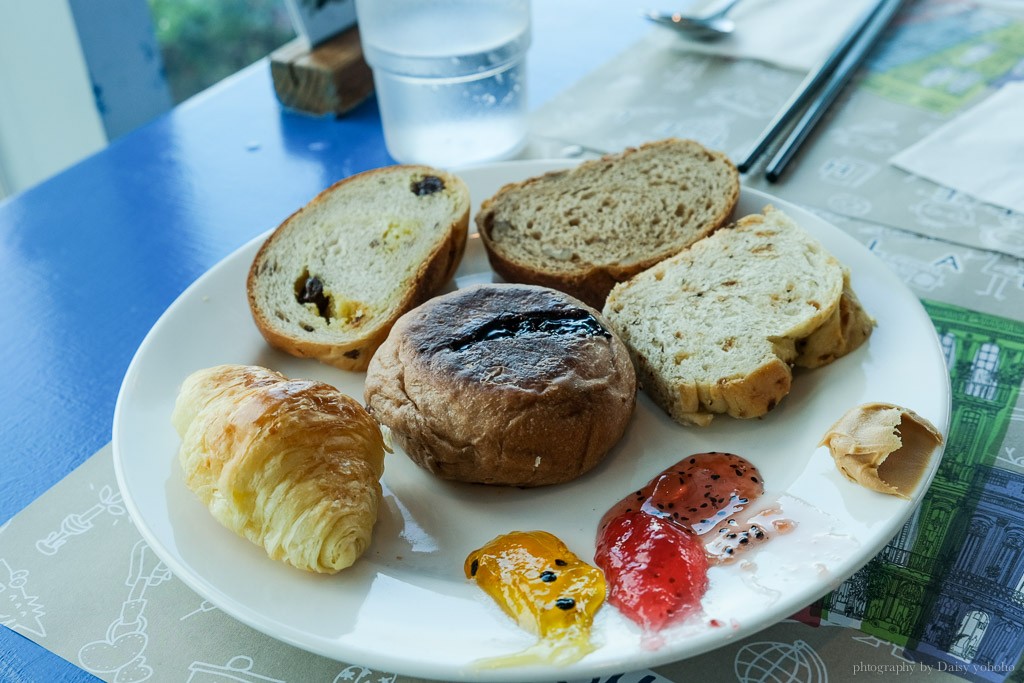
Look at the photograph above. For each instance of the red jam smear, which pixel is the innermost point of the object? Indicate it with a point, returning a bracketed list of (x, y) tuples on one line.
[(656, 570), (655, 545)]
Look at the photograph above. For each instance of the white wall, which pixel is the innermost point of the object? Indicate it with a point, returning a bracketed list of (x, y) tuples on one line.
[(48, 116), (73, 75)]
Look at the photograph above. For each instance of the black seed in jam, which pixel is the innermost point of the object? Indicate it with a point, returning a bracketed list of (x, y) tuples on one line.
[(312, 292), (572, 321), (565, 603), (474, 567), (428, 184), (548, 576), (560, 563)]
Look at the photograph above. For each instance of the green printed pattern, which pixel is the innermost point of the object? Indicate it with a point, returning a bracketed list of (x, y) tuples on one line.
[(945, 82), (891, 596), (986, 358)]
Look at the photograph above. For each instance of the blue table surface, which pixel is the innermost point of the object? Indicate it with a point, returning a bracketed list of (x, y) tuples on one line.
[(90, 258)]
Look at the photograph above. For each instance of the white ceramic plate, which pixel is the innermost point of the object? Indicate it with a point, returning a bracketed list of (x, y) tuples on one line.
[(405, 606)]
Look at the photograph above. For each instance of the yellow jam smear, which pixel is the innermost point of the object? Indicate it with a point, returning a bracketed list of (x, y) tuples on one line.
[(546, 588)]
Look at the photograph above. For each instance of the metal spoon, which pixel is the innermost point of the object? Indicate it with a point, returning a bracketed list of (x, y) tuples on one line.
[(707, 28)]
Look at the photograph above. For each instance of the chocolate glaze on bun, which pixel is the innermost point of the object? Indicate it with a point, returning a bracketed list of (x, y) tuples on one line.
[(515, 385)]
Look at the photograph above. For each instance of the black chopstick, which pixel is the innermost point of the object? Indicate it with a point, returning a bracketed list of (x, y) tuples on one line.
[(808, 88), (833, 87)]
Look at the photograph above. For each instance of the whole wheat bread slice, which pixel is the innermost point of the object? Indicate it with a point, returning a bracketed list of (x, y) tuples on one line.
[(585, 229), (717, 327), (332, 279)]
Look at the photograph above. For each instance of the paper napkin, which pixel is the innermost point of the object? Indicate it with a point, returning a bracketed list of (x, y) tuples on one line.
[(979, 153), (792, 34)]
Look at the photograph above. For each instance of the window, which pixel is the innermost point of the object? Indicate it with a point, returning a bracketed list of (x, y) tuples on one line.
[(970, 552), (97, 70), (982, 383), (968, 639), (948, 341), (203, 42)]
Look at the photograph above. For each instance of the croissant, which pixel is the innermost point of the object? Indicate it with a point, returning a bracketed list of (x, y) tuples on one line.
[(292, 465)]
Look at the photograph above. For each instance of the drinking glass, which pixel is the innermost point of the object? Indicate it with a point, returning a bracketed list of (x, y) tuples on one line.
[(449, 77)]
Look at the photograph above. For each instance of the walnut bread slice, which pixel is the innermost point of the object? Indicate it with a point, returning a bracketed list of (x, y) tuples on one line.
[(332, 279), (585, 229), (717, 328)]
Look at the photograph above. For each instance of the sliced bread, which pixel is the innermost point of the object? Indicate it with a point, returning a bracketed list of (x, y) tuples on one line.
[(585, 229), (333, 278), (847, 328), (717, 327)]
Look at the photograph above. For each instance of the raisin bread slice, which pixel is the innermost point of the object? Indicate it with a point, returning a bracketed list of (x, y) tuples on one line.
[(584, 229), (717, 328), (333, 278)]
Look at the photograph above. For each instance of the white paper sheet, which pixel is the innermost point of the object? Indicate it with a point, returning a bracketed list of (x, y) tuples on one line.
[(979, 153)]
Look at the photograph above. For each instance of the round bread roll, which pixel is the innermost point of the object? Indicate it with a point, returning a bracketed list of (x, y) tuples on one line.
[(515, 385)]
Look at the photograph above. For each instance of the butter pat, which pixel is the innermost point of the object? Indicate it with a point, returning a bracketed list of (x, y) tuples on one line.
[(883, 447)]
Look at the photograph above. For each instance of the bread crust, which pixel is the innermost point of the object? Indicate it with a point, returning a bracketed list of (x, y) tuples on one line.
[(470, 401), (354, 353), (588, 281), (590, 286), (847, 328)]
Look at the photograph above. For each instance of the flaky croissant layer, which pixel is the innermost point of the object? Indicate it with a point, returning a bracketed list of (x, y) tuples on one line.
[(292, 465)]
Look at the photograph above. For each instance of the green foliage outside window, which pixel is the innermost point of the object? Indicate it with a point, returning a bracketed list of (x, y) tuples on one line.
[(204, 41)]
